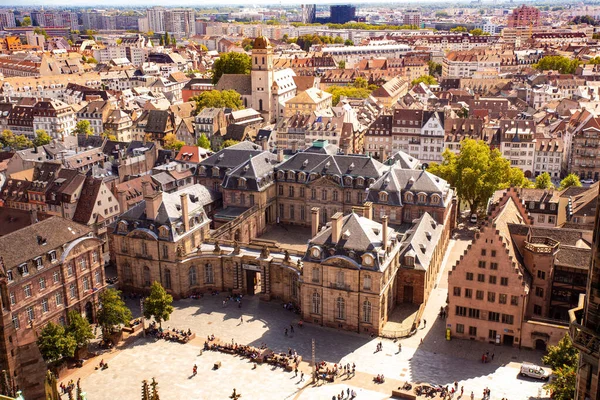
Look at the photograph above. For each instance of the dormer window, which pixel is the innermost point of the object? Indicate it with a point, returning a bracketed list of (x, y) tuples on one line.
[(215, 171), (9, 275), (409, 260), (291, 175), (435, 199), (242, 183), (163, 232), (24, 269), (408, 197), (301, 176), (422, 198), (280, 175), (360, 181), (531, 205), (315, 252), (38, 262), (52, 256), (367, 259), (123, 226), (383, 196)]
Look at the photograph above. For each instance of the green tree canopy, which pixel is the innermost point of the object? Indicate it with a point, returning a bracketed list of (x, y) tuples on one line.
[(476, 172), (26, 21), (158, 304), (15, 142), (231, 63), (83, 127), (563, 359), (426, 79), (434, 68), (348, 42), (228, 143), (338, 40), (347, 91), (543, 181), (342, 64), (562, 64), (478, 32), (54, 343), (563, 354), (570, 180), (203, 142), (458, 29), (595, 60), (79, 329), (113, 311), (171, 142), (41, 138), (218, 99)]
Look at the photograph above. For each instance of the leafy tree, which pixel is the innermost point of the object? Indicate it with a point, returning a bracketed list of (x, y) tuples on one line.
[(41, 31), (570, 180), (434, 68), (463, 113), (158, 304), (9, 139), (41, 138), (203, 142), (562, 64), (342, 64), (360, 83), (26, 21), (478, 32), (171, 142), (458, 29), (113, 313), (231, 63), (347, 91), (585, 19), (161, 41), (476, 172), (167, 39), (79, 329), (173, 41), (218, 99), (54, 343), (426, 79), (338, 40), (562, 385), (563, 354), (83, 127), (228, 143), (543, 181), (91, 60), (563, 359), (441, 14), (348, 42)]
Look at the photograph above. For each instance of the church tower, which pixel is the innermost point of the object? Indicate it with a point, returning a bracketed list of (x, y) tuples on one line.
[(262, 77)]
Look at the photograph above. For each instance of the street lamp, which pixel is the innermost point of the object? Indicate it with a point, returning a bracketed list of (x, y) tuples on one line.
[(143, 319)]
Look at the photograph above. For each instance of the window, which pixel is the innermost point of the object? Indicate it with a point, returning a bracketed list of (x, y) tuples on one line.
[(473, 331), (192, 277), (15, 321), (42, 282), (124, 247), (98, 277), (94, 257), (340, 278), (38, 263), (494, 316), (468, 293), (9, 275), (27, 290), (324, 195), (502, 298), (72, 291), (251, 197), (491, 297), (492, 334), (146, 276), (492, 279), (335, 195), (290, 191), (292, 212), (167, 278), (316, 303), (313, 194), (537, 309), (469, 276), (514, 300), (457, 291), (539, 292), (56, 277), (13, 298), (504, 281), (494, 266), (340, 308), (86, 283), (45, 307), (481, 264), (58, 299), (70, 269), (30, 313), (24, 269), (460, 328), (541, 275), (480, 277), (367, 311), (367, 282), (483, 252), (52, 255), (461, 311), (209, 276), (315, 274), (479, 295), (508, 319), (144, 247), (474, 313), (165, 251), (493, 253)]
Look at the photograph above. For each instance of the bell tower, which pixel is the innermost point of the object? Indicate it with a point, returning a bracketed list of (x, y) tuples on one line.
[(262, 76)]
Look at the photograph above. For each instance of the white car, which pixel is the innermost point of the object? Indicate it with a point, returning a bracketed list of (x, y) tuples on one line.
[(588, 181), (534, 371), (473, 218)]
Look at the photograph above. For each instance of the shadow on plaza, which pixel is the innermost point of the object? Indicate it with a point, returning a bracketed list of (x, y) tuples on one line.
[(459, 359)]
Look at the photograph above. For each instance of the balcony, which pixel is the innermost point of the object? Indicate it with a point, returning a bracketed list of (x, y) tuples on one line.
[(541, 245), (340, 286)]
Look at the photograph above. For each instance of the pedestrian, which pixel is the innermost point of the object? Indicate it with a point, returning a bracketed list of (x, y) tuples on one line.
[(240, 304), (472, 395), (348, 391), (399, 347), (421, 340), (291, 328), (493, 356), (301, 376), (296, 372), (462, 390), (195, 370), (424, 323), (241, 319), (285, 331)]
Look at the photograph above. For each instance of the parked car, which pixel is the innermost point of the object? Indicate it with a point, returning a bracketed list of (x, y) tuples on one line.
[(587, 181), (534, 371), (473, 218)]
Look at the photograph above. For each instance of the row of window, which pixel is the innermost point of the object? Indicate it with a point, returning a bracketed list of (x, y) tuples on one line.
[(340, 308), (209, 276), (28, 292), (492, 279), (493, 316), (340, 278), (491, 296), (460, 328)]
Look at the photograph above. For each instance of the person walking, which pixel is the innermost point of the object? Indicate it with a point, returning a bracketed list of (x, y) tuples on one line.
[(286, 331), (292, 328), (241, 319), (195, 370), (301, 376), (399, 347), (424, 323), (472, 395), (296, 372)]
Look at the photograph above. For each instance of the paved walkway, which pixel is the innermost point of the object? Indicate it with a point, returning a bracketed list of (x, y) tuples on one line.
[(435, 360)]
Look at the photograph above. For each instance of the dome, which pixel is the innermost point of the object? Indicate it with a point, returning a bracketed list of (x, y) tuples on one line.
[(261, 43)]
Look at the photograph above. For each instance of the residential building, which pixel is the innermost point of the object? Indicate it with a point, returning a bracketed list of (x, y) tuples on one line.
[(412, 18), (7, 19), (307, 102), (180, 21), (55, 117), (340, 14), (156, 19), (524, 16)]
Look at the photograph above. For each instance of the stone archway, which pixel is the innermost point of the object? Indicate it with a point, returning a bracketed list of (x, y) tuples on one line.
[(540, 344)]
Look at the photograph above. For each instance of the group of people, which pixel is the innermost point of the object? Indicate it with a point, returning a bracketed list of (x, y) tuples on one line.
[(486, 358), (348, 394), (443, 313), (379, 379), (69, 387), (379, 347), (174, 335), (329, 373), (235, 298)]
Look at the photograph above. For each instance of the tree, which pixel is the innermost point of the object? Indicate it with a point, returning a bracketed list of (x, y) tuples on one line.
[(231, 63), (26, 21), (9, 139), (173, 41), (228, 143), (458, 29), (562, 64), (543, 181), (83, 127), (563, 359), (203, 142), (79, 329), (570, 180), (595, 60), (218, 99), (426, 79), (342, 64), (563, 354), (158, 304), (338, 40), (434, 68), (161, 41), (562, 385), (54, 343), (171, 142), (41, 138), (476, 172), (360, 83), (347, 91), (348, 42), (167, 40), (113, 312)]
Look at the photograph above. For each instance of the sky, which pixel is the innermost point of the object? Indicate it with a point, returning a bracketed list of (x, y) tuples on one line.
[(188, 3)]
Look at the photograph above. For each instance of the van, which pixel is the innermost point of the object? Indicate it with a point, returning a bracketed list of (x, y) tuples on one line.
[(473, 218), (534, 371)]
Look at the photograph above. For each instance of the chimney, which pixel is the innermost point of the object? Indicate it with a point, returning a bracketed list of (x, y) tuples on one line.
[(336, 227), (384, 232), (314, 221), (265, 144), (185, 216), (279, 154), (153, 200), (122, 200), (368, 210), (34, 216), (294, 146)]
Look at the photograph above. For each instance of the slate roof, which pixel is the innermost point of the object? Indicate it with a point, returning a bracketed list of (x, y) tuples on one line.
[(396, 181), (255, 171), (573, 257), (87, 200), (230, 157), (239, 82), (338, 164), (421, 241)]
